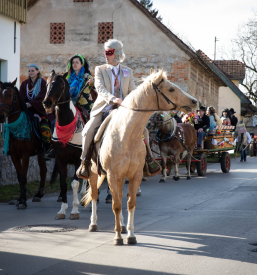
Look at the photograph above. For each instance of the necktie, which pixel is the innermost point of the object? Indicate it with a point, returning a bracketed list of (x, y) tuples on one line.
[(116, 84)]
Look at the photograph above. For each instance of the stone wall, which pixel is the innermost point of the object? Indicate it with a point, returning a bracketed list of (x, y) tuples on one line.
[(8, 174)]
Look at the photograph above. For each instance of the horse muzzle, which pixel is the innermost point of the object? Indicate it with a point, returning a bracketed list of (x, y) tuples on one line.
[(2, 117), (48, 105)]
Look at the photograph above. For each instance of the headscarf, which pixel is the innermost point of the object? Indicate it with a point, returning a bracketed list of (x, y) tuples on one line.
[(69, 65), (76, 82)]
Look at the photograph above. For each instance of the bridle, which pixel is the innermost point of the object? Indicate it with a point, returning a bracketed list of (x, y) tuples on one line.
[(10, 109), (57, 102), (157, 92)]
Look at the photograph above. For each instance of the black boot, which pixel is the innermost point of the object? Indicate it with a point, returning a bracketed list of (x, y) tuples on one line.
[(109, 196), (83, 171)]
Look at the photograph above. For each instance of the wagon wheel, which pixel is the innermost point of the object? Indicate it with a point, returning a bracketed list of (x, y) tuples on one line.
[(225, 162), (202, 165), (251, 150)]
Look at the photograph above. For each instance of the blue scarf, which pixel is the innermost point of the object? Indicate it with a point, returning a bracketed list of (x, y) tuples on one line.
[(20, 129), (76, 82)]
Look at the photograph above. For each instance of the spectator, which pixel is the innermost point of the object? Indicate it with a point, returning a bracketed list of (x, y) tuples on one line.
[(244, 139), (226, 117)]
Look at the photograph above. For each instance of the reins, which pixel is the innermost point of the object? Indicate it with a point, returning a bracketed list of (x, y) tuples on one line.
[(157, 91)]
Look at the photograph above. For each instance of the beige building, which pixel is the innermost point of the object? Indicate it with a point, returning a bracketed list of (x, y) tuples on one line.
[(57, 29)]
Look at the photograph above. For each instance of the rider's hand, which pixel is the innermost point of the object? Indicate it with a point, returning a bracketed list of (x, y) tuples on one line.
[(28, 105), (117, 100), (91, 81), (200, 130)]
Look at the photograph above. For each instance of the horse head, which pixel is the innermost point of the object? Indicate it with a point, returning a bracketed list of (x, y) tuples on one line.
[(160, 120), (7, 99), (170, 96), (57, 91)]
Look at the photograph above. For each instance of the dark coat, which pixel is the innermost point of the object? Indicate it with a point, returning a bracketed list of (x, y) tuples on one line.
[(203, 122), (234, 121), (36, 103)]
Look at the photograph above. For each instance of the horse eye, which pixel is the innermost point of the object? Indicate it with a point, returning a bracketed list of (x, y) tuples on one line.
[(171, 90)]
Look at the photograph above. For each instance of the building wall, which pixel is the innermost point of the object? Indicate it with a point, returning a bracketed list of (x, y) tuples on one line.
[(144, 44), (202, 86), (228, 99), (10, 61)]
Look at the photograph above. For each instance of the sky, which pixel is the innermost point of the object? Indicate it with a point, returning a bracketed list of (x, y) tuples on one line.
[(199, 21)]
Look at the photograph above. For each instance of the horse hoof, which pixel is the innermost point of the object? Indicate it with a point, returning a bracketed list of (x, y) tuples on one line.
[(131, 240), (188, 177), (36, 199), (93, 228), (74, 216), (22, 206), (176, 178), (59, 199), (118, 241), (123, 229), (162, 180), (60, 217)]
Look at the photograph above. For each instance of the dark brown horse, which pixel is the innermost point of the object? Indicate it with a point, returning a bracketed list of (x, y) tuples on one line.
[(11, 107), (58, 98), (176, 140)]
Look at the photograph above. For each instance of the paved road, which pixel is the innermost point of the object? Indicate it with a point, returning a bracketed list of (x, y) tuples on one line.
[(202, 227)]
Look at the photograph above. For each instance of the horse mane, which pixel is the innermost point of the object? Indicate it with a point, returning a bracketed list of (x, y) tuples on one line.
[(168, 121), (134, 98), (23, 105)]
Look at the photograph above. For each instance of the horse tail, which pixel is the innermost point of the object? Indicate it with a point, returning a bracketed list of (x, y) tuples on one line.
[(54, 174), (87, 198)]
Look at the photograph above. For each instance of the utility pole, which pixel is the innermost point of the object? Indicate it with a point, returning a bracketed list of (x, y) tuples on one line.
[(215, 40)]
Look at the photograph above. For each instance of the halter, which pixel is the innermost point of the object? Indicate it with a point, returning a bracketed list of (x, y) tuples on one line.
[(157, 91), (9, 108)]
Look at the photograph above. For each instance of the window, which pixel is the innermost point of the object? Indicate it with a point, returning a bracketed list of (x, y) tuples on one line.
[(57, 33), (105, 31)]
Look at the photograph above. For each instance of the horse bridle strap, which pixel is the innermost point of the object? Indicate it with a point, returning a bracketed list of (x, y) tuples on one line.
[(157, 91), (9, 108)]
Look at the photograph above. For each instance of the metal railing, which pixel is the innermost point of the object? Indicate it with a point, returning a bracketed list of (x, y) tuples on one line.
[(16, 9)]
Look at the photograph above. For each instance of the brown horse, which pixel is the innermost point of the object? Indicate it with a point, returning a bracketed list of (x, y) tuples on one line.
[(123, 152), (12, 107), (176, 140)]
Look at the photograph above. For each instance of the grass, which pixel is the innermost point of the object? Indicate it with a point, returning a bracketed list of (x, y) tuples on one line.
[(12, 192)]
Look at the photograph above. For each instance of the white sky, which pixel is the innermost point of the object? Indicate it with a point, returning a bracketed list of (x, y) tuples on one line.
[(199, 21)]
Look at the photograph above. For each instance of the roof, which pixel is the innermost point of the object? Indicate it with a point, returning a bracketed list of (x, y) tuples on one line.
[(233, 69), (31, 3), (212, 65)]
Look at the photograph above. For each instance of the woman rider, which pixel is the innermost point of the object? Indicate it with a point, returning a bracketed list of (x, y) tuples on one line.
[(33, 91), (81, 82)]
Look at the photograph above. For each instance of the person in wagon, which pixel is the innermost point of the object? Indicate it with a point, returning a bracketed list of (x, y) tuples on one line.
[(33, 91), (113, 82), (81, 82), (234, 119), (226, 117), (201, 125), (214, 119)]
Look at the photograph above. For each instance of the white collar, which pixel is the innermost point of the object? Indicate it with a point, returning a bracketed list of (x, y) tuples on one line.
[(115, 67)]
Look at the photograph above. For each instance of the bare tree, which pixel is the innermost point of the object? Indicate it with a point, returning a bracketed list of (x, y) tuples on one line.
[(149, 4), (244, 48)]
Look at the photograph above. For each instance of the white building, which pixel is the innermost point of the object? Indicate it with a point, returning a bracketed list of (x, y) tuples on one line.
[(12, 14)]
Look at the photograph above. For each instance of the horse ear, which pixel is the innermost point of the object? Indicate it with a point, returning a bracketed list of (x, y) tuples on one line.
[(65, 75), (158, 77), (14, 82), (52, 73)]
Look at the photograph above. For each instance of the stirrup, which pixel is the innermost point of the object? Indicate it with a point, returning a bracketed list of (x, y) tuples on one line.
[(146, 171)]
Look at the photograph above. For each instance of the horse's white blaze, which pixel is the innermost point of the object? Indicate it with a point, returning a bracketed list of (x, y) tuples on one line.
[(64, 207), (75, 187), (121, 219), (130, 226), (93, 215), (83, 188)]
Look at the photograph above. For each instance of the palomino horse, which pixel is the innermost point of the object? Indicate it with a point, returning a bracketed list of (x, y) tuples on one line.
[(58, 96), (176, 140), (122, 152), (21, 147)]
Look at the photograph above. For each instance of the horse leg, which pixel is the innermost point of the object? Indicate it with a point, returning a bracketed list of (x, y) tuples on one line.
[(188, 166), (63, 175), (17, 164), (43, 171), (123, 227), (117, 191), (75, 186), (22, 203), (83, 190), (133, 186), (176, 175), (94, 194), (164, 162)]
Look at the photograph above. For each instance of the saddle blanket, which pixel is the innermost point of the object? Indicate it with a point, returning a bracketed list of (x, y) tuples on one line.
[(76, 138)]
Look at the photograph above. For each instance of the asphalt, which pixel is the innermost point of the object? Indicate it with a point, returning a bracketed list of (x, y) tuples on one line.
[(201, 226)]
